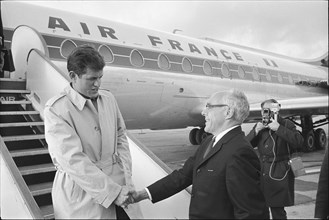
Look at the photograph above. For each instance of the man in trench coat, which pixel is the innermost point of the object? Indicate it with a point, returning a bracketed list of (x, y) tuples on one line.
[(86, 138), (224, 171), (276, 142)]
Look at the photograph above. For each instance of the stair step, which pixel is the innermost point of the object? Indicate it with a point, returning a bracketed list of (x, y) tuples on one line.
[(21, 124), (21, 91), (48, 211), (16, 102), (8, 83), (41, 188), (12, 80), (23, 137), (40, 168), (19, 113), (29, 152)]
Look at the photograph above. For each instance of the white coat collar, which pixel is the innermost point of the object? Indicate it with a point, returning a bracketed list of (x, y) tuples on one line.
[(78, 100)]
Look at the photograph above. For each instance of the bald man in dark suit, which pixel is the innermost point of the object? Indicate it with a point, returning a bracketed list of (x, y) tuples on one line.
[(224, 171)]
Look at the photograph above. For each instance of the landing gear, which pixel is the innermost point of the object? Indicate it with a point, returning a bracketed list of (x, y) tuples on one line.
[(192, 136), (197, 135), (313, 139), (309, 142), (320, 139)]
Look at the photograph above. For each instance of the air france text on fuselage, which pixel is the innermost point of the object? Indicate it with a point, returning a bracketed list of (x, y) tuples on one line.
[(156, 41)]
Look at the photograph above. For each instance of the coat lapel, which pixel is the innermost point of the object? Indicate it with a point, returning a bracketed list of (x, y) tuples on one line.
[(226, 138)]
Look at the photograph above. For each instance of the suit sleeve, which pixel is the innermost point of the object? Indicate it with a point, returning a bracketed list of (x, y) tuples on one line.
[(252, 137), (243, 185), (174, 182), (66, 151), (290, 134)]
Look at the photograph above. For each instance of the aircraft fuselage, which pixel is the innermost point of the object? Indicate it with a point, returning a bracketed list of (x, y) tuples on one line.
[(161, 80)]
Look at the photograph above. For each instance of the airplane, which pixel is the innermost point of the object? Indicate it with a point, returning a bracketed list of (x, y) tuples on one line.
[(162, 80)]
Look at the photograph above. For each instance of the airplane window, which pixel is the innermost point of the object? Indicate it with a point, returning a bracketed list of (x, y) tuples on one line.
[(241, 72), (268, 75), (255, 73), (207, 68), (225, 70), (187, 65), (106, 52), (280, 78), (136, 58), (163, 62), (67, 47)]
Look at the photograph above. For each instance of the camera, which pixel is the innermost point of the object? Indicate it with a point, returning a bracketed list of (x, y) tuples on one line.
[(268, 114)]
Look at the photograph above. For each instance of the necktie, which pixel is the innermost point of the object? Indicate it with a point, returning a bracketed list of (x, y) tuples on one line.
[(210, 145)]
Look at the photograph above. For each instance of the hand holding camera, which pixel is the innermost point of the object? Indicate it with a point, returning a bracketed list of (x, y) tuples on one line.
[(274, 125), (259, 126), (270, 117)]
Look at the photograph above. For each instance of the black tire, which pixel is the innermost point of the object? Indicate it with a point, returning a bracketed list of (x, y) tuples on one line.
[(200, 135), (320, 139), (309, 141), (192, 136)]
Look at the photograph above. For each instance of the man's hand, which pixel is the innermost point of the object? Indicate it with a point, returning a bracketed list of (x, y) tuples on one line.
[(274, 125), (259, 127), (123, 197), (137, 196)]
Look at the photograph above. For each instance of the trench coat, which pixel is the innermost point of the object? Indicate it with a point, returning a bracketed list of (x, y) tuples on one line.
[(278, 185), (226, 183), (90, 151)]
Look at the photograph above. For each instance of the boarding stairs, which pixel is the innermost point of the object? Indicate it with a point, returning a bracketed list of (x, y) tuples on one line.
[(24, 148), (25, 162)]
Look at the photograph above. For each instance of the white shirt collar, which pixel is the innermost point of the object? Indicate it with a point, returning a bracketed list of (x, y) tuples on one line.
[(220, 135)]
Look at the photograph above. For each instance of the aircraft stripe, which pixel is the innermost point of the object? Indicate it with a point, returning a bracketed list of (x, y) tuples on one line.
[(122, 59)]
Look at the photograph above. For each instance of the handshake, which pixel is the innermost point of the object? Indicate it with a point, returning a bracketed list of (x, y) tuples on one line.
[(128, 196)]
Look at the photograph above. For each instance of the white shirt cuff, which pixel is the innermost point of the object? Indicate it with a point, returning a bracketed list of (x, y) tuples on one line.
[(148, 193)]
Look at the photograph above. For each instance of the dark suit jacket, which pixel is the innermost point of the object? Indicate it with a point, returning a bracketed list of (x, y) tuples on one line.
[(226, 184)]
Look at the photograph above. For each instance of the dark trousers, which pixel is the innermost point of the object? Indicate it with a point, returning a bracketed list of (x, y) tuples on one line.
[(278, 213), (121, 214)]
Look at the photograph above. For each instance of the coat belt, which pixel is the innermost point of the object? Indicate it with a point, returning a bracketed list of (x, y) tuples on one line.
[(101, 164)]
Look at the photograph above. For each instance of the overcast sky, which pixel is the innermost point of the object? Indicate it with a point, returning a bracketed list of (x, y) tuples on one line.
[(293, 28)]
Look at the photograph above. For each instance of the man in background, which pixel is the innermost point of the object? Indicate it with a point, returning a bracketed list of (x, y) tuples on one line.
[(276, 139)]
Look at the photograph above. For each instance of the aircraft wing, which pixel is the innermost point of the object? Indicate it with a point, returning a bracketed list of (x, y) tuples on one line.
[(297, 106)]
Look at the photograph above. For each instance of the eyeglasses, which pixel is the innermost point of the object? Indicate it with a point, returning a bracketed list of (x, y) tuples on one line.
[(209, 106)]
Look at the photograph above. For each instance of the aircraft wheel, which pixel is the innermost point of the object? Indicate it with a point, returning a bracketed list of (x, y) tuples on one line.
[(192, 136), (309, 141), (201, 135), (320, 139)]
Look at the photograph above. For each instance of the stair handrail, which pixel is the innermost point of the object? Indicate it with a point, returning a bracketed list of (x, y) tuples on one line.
[(39, 92), (29, 200), (156, 159)]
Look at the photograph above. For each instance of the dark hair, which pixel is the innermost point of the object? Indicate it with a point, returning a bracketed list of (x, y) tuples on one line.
[(268, 101), (83, 57)]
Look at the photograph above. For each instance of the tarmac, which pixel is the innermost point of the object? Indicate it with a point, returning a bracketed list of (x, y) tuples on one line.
[(173, 148), (306, 187)]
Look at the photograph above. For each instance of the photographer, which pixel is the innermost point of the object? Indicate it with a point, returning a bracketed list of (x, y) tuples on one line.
[(276, 138)]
